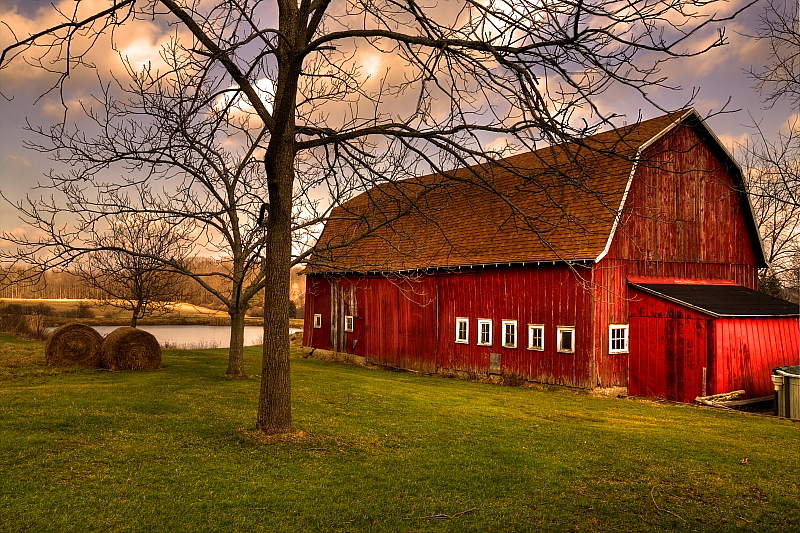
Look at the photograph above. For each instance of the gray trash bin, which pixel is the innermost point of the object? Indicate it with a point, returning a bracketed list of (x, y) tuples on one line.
[(786, 382)]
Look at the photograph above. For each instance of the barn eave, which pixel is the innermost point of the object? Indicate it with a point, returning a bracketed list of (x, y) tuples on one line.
[(444, 268)]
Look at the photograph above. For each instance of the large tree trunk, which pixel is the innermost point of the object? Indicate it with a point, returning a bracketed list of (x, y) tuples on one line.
[(274, 402), (236, 349), (275, 398)]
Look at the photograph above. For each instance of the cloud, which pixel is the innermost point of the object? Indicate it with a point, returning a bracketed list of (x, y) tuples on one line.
[(791, 125), (732, 141), (139, 40), (16, 160)]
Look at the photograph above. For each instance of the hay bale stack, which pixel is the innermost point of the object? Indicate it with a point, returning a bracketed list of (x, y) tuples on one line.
[(130, 349), (73, 345)]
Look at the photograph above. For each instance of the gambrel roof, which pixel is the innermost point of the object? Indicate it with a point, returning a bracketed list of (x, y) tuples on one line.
[(558, 203)]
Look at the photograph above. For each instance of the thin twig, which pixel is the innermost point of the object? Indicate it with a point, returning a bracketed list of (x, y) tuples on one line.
[(660, 509), (443, 516)]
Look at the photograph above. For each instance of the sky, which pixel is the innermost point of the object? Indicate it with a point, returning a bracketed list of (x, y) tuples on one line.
[(717, 76)]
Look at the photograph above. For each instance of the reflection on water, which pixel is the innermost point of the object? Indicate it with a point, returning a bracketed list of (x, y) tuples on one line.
[(196, 337)]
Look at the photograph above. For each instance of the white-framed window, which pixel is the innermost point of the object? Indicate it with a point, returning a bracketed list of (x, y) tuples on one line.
[(536, 337), (462, 330), (317, 320), (618, 338), (566, 338), (484, 332), (510, 333), (348, 323)]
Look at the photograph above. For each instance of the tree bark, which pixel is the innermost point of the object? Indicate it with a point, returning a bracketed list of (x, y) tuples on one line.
[(274, 402), (275, 399), (236, 346), (135, 316)]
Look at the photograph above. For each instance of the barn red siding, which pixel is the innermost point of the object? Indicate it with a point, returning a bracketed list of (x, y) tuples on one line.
[(685, 214), (407, 323), (395, 323), (318, 300), (669, 347), (671, 344), (552, 295), (684, 219), (746, 350)]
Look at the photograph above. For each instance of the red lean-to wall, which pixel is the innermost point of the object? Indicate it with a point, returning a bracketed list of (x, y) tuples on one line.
[(746, 350), (670, 345)]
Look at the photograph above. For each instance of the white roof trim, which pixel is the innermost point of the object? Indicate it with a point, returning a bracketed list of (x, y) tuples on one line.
[(652, 140), (619, 211), (642, 148)]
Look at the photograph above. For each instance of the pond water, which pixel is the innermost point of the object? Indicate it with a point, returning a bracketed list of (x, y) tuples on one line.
[(196, 337)]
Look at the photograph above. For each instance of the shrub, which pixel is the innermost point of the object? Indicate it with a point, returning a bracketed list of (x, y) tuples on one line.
[(24, 320), (82, 310)]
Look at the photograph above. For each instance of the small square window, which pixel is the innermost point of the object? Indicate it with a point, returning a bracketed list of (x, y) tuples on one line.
[(618, 338), (536, 337), (348, 323), (462, 330), (510, 333), (566, 339), (484, 332), (317, 320)]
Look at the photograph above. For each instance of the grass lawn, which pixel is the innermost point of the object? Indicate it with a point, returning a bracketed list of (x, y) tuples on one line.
[(87, 450)]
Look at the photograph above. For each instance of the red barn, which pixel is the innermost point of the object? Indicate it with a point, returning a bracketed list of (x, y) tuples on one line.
[(627, 261)]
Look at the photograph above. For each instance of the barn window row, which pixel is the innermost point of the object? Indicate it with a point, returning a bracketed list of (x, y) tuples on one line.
[(565, 335)]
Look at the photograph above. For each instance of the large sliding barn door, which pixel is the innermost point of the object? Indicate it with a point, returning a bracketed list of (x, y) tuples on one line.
[(669, 357)]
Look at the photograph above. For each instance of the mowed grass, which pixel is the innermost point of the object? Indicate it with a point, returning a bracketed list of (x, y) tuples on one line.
[(172, 450)]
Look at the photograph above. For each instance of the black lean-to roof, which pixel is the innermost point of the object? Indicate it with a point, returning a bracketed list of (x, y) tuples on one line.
[(722, 300)]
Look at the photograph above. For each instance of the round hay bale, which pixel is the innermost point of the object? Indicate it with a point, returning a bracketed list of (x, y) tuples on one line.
[(296, 339), (130, 349), (73, 345)]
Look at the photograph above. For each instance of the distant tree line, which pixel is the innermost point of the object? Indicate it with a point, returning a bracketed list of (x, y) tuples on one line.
[(73, 286)]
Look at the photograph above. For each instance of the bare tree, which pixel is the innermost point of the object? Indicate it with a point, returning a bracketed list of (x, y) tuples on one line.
[(315, 101), (780, 77), (136, 282), (772, 177), (772, 167)]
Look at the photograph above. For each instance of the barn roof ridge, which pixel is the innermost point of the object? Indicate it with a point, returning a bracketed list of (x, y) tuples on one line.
[(558, 203)]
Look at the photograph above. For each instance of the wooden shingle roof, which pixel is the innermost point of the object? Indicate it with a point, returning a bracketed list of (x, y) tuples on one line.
[(554, 204)]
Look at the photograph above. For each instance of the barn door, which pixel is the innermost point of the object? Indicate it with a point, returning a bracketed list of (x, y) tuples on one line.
[(668, 357), (343, 303)]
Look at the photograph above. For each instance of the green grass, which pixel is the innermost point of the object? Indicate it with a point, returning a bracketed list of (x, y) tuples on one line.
[(87, 450)]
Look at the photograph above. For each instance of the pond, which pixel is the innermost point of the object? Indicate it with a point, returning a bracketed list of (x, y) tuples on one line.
[(196, 337)]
